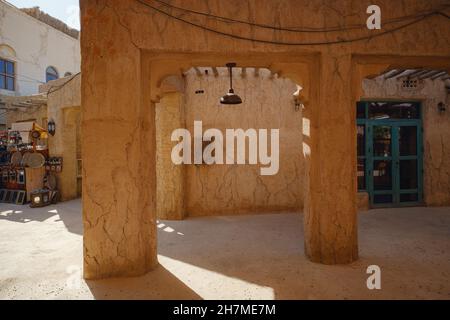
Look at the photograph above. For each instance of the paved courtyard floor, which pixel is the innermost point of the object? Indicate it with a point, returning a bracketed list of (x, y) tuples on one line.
[(243, 257)]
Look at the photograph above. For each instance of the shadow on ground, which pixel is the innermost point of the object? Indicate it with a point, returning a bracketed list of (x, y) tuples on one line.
[(242, 257), (411, 245), (68, 212), (159, 284)]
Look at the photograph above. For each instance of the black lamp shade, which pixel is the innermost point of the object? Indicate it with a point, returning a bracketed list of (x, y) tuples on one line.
[(231, 98)]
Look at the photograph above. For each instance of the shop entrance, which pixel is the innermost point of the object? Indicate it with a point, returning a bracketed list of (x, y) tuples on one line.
[(390, 152)]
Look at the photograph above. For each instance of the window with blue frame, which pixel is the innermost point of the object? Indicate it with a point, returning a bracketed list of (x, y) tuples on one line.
[(51, 74), (7, 75)]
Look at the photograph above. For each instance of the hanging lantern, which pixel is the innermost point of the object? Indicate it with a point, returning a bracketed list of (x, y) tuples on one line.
[(51, 127), (231, 98)]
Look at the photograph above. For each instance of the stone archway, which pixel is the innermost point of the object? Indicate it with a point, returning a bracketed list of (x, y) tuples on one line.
[(120, 86), (270, 101), (337, 245)]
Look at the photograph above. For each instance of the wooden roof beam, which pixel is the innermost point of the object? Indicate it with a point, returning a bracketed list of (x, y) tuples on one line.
[(418, 73), (244, 72), (429, 74), (198, 72), (393, 74), (439, 75), (215, 71)]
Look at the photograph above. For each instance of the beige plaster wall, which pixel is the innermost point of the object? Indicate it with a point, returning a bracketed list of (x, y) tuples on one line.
[(38, 114), (170, 178), (268, 103), (127, 49), (436, 134), (64, 108)]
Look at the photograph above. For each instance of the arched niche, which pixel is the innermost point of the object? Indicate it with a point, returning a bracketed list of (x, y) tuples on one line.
[(7, 52)]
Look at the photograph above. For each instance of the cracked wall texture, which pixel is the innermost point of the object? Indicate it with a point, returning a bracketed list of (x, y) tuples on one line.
[(123, 44), (170, 192), (237, 189), (436, 131)]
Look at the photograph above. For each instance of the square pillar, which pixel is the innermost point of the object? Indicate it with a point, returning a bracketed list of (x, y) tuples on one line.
[(118, 149), (330, 197), (170, 177)]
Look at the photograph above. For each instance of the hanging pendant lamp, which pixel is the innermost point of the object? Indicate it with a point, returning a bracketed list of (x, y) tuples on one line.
[(231, 98)]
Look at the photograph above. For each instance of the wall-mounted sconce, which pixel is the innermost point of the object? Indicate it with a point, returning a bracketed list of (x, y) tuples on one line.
[(298, 104), (442, 107), (51, 127)]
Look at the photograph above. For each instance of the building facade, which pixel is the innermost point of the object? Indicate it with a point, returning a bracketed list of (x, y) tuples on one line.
[(34, 48), (128, 72), (403, 154)]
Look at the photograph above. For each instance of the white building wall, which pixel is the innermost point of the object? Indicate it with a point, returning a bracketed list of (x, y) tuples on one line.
[(34, 46)]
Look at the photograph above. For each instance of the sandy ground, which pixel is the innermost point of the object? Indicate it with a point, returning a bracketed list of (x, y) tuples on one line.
[(247, 257)]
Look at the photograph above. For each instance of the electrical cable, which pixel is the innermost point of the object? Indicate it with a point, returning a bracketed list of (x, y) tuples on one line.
[(18, 75), (57, 88), (444, 15), (27, 77), (299, 29), (341, 41)]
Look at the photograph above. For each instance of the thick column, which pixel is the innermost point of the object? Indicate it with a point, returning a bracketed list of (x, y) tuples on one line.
[(169, 177), (330, 148), (118, 148)]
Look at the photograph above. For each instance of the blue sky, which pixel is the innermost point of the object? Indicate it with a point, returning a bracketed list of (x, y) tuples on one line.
[(64, 10)]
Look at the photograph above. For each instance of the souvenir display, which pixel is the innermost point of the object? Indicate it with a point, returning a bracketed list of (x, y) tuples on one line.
[(25, 158), (16, 158), (54, 164), (36, 160), (50, 182), (27, 173)]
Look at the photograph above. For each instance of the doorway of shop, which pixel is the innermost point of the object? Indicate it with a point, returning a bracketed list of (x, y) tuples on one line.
[(390, 152)]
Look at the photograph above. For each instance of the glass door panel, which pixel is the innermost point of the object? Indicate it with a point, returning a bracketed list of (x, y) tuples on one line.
[(383, 199), (390, 153), (382, 141), (408, 141), (361, 131), (361, 171), (408, 175), (361, 174), (409, 164), (409, 197), (382, 175), (382, 164)]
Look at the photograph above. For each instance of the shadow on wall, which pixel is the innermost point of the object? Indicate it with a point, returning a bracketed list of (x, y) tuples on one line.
[(68, 212), (160, 284)]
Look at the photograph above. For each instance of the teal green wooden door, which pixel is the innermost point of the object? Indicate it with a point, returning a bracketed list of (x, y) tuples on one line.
[(395, 163), (390, 156)]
